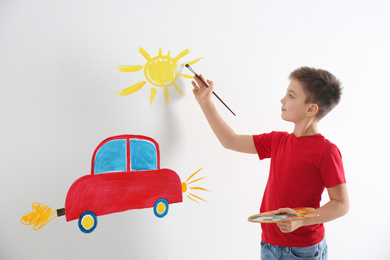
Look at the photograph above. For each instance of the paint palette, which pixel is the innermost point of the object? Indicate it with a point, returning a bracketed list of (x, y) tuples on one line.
[(270, 217)]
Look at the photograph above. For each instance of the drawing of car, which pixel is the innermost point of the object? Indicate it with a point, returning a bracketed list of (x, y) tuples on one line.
[(125, 175)]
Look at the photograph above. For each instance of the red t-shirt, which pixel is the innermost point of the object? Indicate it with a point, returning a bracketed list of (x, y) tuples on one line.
[(301, 168)]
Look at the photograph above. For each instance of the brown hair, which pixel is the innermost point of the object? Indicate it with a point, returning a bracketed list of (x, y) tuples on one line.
[(320, 86)]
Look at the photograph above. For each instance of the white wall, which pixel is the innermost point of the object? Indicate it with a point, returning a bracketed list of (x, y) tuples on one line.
[(57, 104)]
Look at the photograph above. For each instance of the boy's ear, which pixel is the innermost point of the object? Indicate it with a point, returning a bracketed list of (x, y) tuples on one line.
[(313, 109)]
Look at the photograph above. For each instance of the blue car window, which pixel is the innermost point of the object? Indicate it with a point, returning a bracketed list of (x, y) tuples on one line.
[(111, 157), (143, 155)]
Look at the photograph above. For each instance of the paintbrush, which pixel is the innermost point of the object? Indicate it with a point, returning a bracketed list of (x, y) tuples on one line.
[(196, 75)]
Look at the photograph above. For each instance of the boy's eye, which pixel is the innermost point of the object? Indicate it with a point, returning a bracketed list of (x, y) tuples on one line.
[(290, 96)]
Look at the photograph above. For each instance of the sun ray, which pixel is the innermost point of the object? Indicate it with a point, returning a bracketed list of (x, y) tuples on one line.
[(131, 89), (160, 52), (197, 197), (199, 188), (196, 180), (144, 53), (152, 95), (166, 95), (177, 88), (182, 54), (129, 68), (191, 62), (192, 175), (192, 199)]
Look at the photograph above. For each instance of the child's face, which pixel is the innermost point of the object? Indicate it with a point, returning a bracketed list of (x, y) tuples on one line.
[(294, 108)]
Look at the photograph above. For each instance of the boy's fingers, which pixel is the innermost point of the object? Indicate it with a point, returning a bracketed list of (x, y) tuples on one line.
[(194, 84), (284, 210), (210, 82), (200, 80), (200, 84), (201, 76)]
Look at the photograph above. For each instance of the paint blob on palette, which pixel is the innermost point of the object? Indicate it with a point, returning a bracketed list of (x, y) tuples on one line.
[(160, 71), (271, 217)]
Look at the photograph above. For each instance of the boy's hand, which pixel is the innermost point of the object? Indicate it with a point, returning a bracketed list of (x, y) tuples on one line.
[(202, 93), (288, 226)]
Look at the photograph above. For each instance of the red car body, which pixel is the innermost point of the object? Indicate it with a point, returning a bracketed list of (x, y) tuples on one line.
[(116, 191)]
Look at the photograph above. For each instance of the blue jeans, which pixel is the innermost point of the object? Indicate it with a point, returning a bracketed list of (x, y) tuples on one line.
[(316, 252)]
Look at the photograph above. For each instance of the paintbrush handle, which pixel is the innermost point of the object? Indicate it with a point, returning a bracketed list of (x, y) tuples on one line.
[(223, 103), (215, 94)]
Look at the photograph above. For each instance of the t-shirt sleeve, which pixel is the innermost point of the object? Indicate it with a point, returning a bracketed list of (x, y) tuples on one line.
[(263, 144), (331, 167)]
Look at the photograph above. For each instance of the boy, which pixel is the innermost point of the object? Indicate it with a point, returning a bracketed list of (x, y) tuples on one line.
[(303, 163)]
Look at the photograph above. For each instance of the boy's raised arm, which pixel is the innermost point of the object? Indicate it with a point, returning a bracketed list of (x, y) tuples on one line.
[(225, 134)]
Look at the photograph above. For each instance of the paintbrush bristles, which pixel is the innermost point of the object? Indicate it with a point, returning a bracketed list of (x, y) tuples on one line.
[(188, 67)]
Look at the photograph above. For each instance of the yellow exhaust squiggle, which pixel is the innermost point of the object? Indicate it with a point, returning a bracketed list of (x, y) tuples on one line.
[(39, 217)]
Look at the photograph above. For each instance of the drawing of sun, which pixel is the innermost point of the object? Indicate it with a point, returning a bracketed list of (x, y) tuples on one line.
[(186, 187), (161, 71)]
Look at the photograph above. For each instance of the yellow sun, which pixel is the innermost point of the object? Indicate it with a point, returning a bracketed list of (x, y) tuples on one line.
[(160, 71), (185, 187)]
